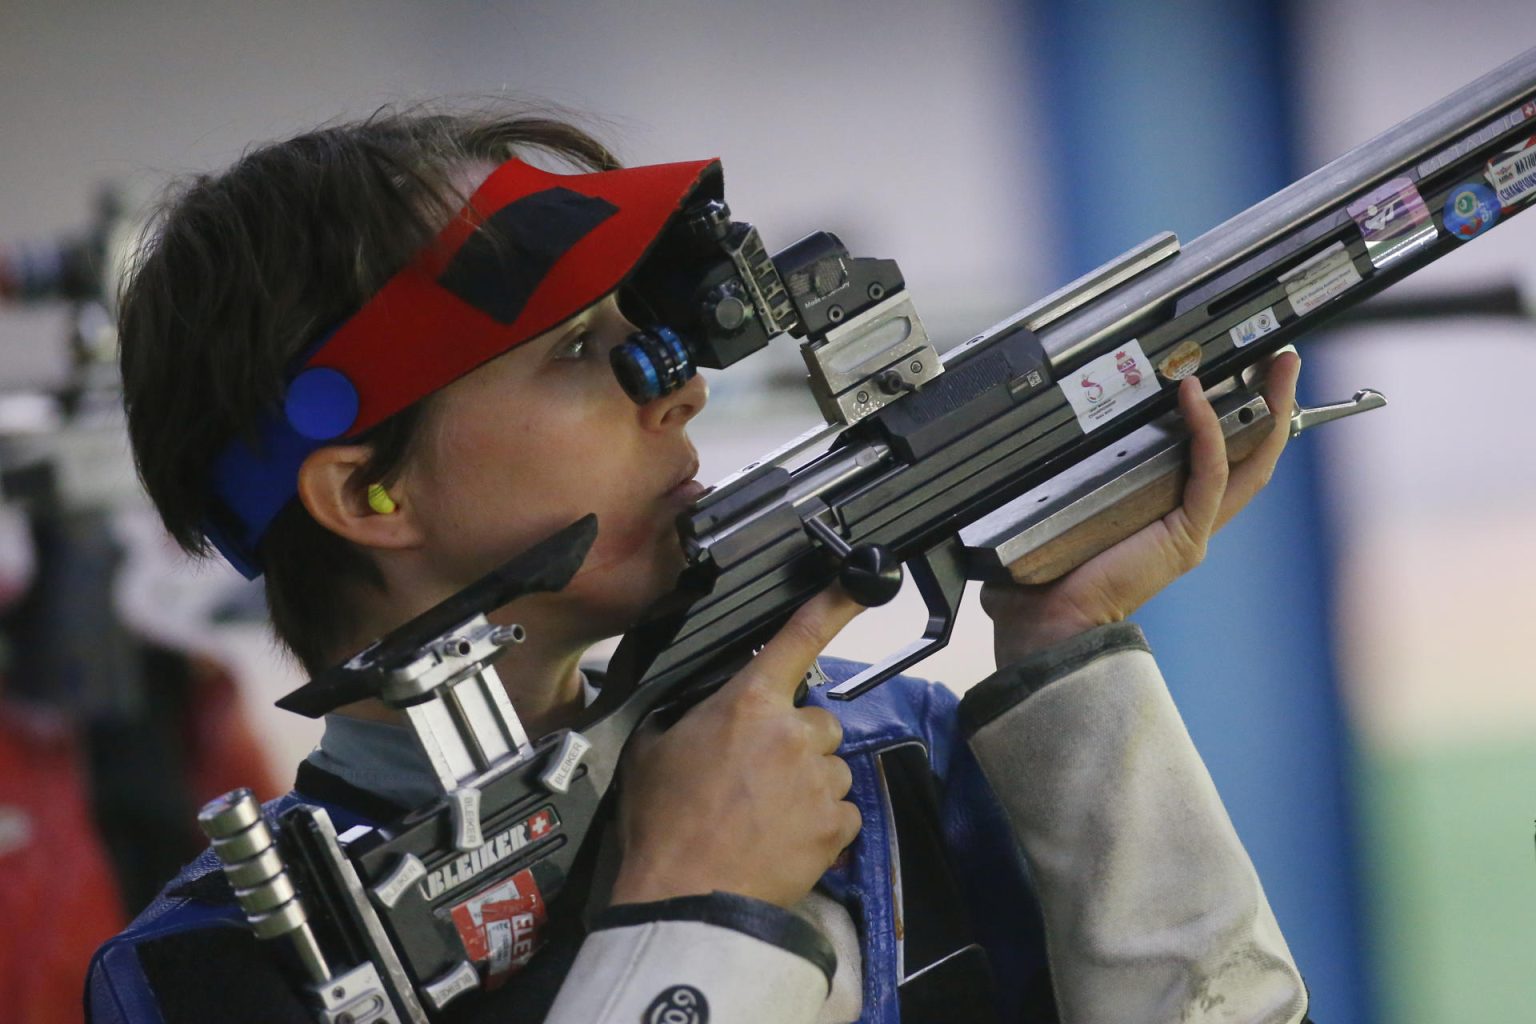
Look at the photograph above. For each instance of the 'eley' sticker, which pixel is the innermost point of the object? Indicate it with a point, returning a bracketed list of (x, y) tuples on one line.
[(1109, 386), (502, 926), (1325, 276), (1394, 221), (1513, 173)]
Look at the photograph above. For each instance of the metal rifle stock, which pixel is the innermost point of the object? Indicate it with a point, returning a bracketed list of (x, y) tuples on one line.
[(979, 467)]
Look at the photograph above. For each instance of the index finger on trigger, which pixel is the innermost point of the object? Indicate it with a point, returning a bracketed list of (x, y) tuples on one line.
[(782, 663)]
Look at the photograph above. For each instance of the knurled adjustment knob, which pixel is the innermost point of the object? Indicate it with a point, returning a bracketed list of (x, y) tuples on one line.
[(727, 310)]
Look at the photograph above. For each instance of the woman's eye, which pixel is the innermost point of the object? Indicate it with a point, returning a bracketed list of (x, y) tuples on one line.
[(578, 347)]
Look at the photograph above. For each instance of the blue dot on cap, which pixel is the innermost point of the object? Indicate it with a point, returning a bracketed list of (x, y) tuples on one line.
[(321, 404)]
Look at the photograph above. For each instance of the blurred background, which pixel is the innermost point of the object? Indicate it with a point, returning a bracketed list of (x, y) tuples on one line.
[(1352, 659)]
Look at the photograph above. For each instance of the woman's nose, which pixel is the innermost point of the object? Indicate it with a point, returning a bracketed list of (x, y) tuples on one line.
[(675, 409)]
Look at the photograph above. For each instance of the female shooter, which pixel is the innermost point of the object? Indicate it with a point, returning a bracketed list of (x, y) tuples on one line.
[(472, 412)]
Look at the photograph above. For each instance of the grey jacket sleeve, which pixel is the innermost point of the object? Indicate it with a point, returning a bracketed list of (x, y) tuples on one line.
[(1153, 911), (717, 957)]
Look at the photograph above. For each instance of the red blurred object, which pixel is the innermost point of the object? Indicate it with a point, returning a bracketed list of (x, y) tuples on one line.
[(222, 752), (59, 900)]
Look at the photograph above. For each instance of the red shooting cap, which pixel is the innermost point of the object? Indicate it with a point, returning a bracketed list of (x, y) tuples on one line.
[(529, 250)]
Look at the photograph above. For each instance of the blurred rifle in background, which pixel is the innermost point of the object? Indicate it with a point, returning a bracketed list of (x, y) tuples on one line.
[(152, 723)]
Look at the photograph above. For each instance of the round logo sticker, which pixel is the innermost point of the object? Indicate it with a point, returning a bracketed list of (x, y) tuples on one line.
[(1181, 362), (680, 1004), (1470, 209)]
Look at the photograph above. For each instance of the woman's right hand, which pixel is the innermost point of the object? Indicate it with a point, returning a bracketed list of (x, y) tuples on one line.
[(745, 793)]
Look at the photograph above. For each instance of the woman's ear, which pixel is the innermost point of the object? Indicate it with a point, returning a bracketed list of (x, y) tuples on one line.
[(334, 491)]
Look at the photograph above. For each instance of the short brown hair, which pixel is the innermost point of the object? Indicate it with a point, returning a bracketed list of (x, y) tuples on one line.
[(244, 270)]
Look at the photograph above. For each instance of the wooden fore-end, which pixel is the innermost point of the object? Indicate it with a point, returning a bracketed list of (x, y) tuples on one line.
[(1061, 524)]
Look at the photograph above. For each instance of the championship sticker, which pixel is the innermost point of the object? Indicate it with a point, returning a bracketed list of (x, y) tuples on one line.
[(1111, 385), (502, 926), (1182, 361), (1394, 221), (1325, 276), (1513, 173), (1255, 327), (1470, 209)]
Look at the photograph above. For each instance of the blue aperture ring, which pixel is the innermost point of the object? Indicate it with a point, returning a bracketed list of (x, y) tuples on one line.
[(652, 363)]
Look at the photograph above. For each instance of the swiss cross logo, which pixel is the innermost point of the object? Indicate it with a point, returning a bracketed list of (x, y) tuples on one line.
[(538, 825), (1529, 110)]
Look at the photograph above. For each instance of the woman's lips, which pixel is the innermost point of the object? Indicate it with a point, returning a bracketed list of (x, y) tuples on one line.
[(688, 491)]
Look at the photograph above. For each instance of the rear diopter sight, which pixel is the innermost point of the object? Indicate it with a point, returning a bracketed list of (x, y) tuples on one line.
[(652, 363)]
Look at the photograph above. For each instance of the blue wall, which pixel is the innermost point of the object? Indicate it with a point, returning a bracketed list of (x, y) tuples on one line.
[(1176, 116)]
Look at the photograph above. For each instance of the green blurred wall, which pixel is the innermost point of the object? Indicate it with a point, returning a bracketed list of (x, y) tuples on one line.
[(1454, 875)]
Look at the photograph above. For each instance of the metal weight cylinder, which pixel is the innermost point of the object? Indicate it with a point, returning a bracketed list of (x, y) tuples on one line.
[(254, 867)]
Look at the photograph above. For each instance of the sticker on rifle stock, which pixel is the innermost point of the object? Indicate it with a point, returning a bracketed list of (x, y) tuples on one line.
[(1513, 173), (1255, 327), (502, 926), (1470, 209), (1182, 361), (1110, 385), (1325, 276), (1393, 220)]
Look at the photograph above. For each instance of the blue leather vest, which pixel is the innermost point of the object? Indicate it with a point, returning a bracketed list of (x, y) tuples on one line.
[(984, 858)]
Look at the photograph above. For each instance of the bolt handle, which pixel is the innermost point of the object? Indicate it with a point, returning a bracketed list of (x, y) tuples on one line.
[(869, 573)]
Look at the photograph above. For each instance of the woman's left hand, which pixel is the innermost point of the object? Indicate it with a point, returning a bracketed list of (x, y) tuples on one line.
[(1114, 583)]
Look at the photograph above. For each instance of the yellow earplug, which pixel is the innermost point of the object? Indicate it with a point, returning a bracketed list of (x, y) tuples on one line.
[(379, 500)]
